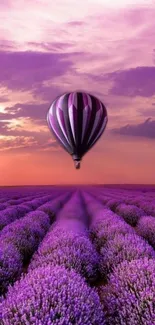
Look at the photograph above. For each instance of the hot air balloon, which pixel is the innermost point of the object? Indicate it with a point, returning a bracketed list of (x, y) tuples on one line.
[(77, 119)]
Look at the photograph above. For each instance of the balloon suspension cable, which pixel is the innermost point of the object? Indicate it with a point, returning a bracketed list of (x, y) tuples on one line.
[(77, 164)]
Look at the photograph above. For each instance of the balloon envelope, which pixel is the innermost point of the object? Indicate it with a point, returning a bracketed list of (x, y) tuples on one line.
[(77, 120)]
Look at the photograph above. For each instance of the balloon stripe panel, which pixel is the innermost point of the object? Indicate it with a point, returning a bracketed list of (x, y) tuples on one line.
[(71, 115), (86, 114), (79, 120), (60, 113), (97, 120), (65, 109), (90, 122), (60, 117), (100, 132), (54, 125)]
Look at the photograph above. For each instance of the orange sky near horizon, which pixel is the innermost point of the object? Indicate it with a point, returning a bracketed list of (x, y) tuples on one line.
[(107, 49), (113, 165)]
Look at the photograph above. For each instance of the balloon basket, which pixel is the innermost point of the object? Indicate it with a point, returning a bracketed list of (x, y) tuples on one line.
[(77, 164)]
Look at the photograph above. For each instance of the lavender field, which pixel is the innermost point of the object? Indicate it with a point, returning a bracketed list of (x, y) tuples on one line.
[(77, 255)]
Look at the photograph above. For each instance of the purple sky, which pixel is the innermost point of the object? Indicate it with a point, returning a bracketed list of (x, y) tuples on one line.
[(48, 48)]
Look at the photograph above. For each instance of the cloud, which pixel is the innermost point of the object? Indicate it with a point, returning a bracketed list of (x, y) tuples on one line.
[(148, 112), (15, 138), (34, 111), (145, 129), (5, 3), (4, 99), (153, 55), (27, 128), (26, 121), (4, 127), (133, 82), (47, 93), (22, 143), (37, 112), (76, 23), (139, 81), (50, 46), (6, 45), (25, 70), (11, 143)]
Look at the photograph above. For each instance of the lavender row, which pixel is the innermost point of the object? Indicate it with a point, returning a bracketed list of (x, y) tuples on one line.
[(146, 229), (12, 213), (130, 213), (4, 203), (144, 202), (22, 193), (67, 243), (22, 199), (130, 209), (20, 239), (12, 195)]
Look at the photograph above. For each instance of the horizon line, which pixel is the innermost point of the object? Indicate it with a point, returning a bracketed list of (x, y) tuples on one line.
[(89, 184)]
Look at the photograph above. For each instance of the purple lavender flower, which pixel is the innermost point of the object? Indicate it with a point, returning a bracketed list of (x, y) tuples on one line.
[(123, 247), (129, 297), (138, 200), (70, 250), (51, 208), (106, 228), (51, 296), (149, 208), (26, 233), (130, 213), (113, 203), (18, 241), (3, 206), (12, 213), (10, 265), (146, 229)]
